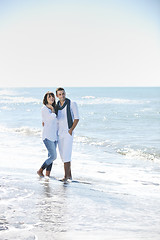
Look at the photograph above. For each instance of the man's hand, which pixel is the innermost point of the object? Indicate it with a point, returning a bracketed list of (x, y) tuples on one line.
[(73, 126), (70, 131)]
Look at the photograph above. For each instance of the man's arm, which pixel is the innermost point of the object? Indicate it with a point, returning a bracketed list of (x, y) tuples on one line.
[(73, 126)]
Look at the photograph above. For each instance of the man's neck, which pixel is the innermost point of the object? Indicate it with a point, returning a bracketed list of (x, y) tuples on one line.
[(62, 102)]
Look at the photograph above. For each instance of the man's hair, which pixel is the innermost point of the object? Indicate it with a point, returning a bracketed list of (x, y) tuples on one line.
[(59, 89)]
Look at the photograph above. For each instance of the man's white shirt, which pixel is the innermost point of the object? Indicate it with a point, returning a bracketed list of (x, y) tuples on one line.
[(62, 118)]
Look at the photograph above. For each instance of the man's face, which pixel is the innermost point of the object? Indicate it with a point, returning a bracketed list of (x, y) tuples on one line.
[(61, 95)]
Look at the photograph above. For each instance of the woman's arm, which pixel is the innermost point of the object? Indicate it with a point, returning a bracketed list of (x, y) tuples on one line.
[(47, 115)]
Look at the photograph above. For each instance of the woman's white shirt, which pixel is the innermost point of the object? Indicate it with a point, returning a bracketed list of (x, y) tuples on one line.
[(50, 124)]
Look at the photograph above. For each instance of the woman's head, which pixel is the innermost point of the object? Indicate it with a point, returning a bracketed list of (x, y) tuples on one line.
[(49, 98)]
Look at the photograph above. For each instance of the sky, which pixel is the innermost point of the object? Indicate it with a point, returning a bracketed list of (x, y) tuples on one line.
[(79, 43)]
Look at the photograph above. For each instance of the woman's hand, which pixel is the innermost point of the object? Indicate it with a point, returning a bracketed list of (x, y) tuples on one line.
[(50, 107)]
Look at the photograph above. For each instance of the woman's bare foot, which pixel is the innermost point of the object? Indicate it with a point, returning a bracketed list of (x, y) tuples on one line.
[(48, 173), (40, 172)]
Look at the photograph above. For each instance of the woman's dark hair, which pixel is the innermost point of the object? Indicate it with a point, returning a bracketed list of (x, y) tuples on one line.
[(45, 102)]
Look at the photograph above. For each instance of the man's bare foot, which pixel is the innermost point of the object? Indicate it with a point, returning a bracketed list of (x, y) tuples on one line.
[(69, 180), (40, 173), (65, 180)]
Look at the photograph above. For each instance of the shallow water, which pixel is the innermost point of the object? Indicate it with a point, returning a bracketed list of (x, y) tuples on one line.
[(114, 204)]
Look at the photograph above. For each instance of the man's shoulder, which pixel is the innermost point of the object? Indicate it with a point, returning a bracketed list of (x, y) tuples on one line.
[(73, 102), (74, 106)]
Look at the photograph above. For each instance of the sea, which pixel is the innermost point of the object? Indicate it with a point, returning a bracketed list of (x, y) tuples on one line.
[(115, 192)]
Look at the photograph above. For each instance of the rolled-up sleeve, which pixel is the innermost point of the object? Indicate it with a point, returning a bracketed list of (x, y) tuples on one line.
[(74, 109)]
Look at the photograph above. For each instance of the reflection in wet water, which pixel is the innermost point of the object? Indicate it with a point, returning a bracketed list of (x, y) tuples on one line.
[(53, 207)]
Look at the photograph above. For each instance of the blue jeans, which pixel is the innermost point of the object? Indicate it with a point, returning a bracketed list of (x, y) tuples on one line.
[(52, 154)]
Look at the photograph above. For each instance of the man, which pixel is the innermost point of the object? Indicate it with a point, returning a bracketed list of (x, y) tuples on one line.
[(68, 118)]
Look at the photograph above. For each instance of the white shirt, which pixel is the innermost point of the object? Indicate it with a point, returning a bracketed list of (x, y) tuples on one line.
[(62, 118), (50, 124)]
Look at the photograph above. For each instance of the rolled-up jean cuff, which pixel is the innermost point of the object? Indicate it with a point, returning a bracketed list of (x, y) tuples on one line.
[(49, 167)]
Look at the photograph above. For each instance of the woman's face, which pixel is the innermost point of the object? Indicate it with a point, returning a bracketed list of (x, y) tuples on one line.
[(50, 99)]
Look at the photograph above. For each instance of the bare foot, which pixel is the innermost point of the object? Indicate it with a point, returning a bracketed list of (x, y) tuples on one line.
[(65, 180), (40, 173), (48, 173)]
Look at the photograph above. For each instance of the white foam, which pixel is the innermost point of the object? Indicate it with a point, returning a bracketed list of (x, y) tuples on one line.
[(89, 100), (22, 130), (10, 100), (146, 110), (91, 141), (6, 108), (7, 92), (88, 97), (138, 154)]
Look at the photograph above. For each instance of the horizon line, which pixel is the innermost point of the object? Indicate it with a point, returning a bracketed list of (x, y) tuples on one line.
[(80, 86)]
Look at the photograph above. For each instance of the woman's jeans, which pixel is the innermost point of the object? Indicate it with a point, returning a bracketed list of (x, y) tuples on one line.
[(52, 154)]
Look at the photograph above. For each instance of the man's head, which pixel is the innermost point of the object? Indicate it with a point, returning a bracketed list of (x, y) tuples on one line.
[(61, 94)]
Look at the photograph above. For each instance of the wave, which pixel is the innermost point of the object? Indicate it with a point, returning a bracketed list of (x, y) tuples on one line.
[(30, 131), (110, 146), (139, 154), (22, 130), (106, 145), (89, 100), (6, 108), (88, 97), (37, 132), (7, 92), (92, 141), (11, 100)]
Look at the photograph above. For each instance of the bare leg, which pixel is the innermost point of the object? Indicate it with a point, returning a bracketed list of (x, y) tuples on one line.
[(48, 173), (67, 171), (48, 170), (40, 172), (70, 174)]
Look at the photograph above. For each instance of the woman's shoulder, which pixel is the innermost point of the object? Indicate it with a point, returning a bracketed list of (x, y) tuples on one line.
[(44, 108)]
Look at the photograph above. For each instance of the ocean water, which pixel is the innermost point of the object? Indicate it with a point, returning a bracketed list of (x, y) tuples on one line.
[(116, 167)]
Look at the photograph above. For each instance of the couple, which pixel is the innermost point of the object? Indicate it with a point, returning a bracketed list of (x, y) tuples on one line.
[(59, 121)]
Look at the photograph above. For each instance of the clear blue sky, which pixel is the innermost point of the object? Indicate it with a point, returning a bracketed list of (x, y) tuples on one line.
[(79, 43)]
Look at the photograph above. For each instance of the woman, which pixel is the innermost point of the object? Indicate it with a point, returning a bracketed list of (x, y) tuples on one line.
[(49, 133)]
